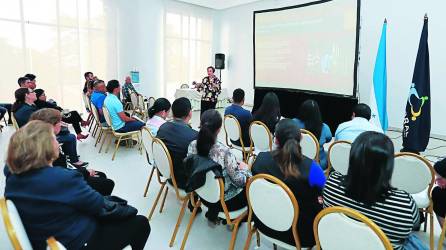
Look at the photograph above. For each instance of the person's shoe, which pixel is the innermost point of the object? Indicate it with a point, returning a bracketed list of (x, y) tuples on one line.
[(191, 208), (79, 165), (85, 123), (80, 137)]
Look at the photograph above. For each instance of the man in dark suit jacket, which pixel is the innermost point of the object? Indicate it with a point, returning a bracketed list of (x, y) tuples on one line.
[(177, 135)]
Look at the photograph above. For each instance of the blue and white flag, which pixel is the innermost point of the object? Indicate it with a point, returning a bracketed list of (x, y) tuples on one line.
[(378, 93)]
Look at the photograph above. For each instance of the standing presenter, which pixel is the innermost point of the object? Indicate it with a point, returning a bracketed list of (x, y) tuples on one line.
[(210, 88)]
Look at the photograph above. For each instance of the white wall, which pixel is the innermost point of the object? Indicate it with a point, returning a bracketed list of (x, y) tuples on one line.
[(405, 20)]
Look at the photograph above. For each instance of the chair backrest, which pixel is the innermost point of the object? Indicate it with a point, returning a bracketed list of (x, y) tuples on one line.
[(141, 103), (14, 226), (338, 156), (232, 129), (309, 144), (184, 86), (260, 136), (213, 189), (147, 140), (412, 173), (134, 99), (344, 228), (151, 102), (263, 190), (14, 121), (95, 112), (53, 244), (107, 116), (163, 162), (86, 101)]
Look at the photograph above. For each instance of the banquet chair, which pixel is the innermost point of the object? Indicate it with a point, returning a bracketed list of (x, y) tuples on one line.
[(415, 175), (147, 140), (53, 244), (120, 136), (262, 190), (14, 121), (233, 132), (164, 171), (104, 131), (310, 145), (341, 228), (87, 104), (213, 191), (338, 157), (184, 86), (441, 239), (150, 102), (261, 138)]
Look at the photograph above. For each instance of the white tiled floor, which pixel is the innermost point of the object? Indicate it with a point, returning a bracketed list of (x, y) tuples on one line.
[(130, 172)]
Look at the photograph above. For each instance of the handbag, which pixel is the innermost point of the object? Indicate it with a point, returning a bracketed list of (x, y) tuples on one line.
[(116, 208)]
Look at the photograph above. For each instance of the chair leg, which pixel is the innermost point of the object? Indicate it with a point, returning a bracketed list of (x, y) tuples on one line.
[(90, 120), (274, 246), (156, 202), (248, 240), (258, 238), (425, 221), (431, 235), (95, 130), (189, 226), (180, 218), (99, 137), (164, 200), (148, 182), (109, 143), (103, 141), (116, 149), (234, 234)]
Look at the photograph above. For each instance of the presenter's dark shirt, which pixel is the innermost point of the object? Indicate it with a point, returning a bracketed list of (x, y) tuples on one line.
[(23, 113), (244, 117), (177, 135)]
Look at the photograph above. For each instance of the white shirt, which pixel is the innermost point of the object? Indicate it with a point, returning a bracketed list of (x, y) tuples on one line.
[(348, 131)]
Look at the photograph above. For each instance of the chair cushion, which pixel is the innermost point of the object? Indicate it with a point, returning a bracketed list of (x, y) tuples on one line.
[(422, 199), (278, 242)]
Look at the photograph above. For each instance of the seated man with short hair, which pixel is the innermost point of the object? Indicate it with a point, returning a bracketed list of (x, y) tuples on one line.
[(177, 135), (348, 131), (97, 99), (121, 123), (243, 116)]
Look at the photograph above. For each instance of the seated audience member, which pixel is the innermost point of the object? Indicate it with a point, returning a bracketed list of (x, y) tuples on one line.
[(54, 201), (32, 80), (269, 111), (243, 116), (439, 192), (310, 118), (71, 117), (126, 88), (302, 175), (23, 106), (97, 99), (121, 123), (97, 180), (89, 80), (235, 173), (348, 131), (177, 135), (158, 114), (24, 82), (367, 189)]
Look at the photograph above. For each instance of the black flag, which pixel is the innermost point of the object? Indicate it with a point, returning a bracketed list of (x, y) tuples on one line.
[(417, 122)]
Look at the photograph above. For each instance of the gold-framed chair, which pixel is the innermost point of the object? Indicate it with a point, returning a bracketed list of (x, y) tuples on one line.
[(338, 157), (262, 190), (441, 239), (104, 131), (416, 175), (261, 138), (14, 121), (344, 228), (213, 191), (53, 244), (87, 104), (14, 228), (233, 132), (147, 139), (310, 145), (120, 136), (164, 171)]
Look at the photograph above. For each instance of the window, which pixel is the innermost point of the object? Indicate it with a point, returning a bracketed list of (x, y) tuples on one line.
[(187, 49), (57, 40)]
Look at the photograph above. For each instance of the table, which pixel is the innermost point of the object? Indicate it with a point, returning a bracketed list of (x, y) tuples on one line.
[(195, 97)]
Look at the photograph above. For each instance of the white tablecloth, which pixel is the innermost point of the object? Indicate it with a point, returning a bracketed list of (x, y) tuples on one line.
[(195, 97)]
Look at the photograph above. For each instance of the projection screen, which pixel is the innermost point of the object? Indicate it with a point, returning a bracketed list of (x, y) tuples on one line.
[(310, 47)]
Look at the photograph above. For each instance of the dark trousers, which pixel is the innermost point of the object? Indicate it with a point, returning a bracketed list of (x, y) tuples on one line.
[(119, 234), (74, 119), (205, 105), (7, 106), (100, 183), (69, 145), (131, 126), (237, 202)]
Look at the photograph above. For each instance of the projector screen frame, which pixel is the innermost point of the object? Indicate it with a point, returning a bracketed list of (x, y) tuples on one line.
[(355, 69)]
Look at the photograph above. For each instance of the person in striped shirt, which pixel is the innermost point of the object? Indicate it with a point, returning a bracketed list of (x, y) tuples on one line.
[(367, 189)]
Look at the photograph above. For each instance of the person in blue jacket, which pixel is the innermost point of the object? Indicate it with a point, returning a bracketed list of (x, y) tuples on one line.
[(54, 201)]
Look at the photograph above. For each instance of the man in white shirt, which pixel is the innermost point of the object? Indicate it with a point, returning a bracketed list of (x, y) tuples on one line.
[(348, 131)]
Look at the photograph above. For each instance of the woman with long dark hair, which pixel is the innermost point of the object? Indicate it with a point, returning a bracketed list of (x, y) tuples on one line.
[(158, 114), (23, 106), (310, 118), (235, 173), (269, 111), (302, 175), (367, 189)]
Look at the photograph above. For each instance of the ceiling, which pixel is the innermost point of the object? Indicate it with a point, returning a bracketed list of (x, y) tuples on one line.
[(218, 4)]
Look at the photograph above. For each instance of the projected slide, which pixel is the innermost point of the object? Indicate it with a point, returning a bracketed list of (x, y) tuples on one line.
[(307, 48)]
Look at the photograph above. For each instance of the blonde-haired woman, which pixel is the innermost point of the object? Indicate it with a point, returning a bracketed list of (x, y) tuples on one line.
[(54, 201)]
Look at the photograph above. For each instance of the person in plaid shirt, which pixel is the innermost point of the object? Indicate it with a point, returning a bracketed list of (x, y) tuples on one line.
[(127, 87)]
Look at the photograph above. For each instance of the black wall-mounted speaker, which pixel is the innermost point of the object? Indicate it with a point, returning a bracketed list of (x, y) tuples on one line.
[(220, 61)]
